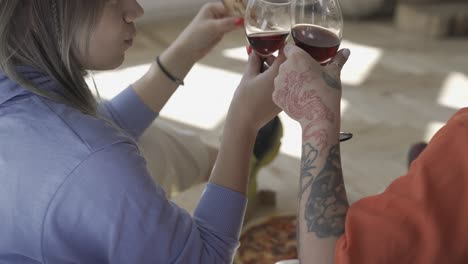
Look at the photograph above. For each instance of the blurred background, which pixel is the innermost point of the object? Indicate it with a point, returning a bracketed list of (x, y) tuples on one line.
[(408, 73)]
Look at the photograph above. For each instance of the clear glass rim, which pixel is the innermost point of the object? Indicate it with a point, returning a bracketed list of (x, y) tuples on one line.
[(273, 3)]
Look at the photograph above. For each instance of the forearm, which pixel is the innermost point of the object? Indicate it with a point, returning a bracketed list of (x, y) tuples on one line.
[(322, 198), (155, 88), (231, 169), (194, 42)]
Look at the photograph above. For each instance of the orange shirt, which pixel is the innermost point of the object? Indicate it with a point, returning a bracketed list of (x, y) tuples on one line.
[(421, 217)]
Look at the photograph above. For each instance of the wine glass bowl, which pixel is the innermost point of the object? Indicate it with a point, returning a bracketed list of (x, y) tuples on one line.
[(317, 27), (267, 25)]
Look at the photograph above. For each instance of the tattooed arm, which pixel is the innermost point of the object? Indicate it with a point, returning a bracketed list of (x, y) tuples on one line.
[(310, 94), (322, 203)]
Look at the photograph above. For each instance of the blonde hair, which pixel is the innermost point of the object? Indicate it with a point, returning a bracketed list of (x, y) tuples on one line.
[(47, 35)]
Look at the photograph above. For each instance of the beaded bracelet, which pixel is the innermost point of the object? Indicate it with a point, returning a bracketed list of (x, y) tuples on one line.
[(170, 76)]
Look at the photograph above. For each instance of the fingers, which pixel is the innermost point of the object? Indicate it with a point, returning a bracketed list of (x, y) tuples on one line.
[(253, 65), (217, 9), (272, 63), (337, 63), (270, 60), (274, 68), (249, 49), (294, 51), (299, 58), (281, 55), (217, 12), (227, 24)]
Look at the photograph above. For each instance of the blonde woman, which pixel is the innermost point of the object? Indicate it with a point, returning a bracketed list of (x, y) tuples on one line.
[(73, 185)]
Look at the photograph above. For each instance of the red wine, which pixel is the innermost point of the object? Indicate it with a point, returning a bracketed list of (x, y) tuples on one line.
[(266, 43), (319, 42)]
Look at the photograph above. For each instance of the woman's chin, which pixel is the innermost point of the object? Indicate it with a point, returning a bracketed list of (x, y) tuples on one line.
[(110, 65), (119, 62)]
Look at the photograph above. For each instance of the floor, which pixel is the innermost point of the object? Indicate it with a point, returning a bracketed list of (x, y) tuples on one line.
[(398, 89)]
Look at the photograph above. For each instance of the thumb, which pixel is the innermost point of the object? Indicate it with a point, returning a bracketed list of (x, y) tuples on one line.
[(253, 65), (337, 63), (274, 68)]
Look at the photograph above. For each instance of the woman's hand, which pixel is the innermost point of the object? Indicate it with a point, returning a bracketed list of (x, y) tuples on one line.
[(308, 92), (251, 108), (206, 30), (252, 105)]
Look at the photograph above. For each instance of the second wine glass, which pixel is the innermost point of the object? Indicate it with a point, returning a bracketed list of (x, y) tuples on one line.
[(317, 27), (267, 25)]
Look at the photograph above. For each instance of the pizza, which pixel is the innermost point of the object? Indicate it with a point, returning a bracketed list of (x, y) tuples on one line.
[(268, 241), (235, 7)]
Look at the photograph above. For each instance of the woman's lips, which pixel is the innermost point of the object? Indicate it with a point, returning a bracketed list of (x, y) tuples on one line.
[(129, 42)]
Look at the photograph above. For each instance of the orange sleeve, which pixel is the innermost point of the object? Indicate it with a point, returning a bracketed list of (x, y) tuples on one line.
[(421, 217)]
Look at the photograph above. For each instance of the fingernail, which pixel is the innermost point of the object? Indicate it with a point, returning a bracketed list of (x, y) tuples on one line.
[(249, 49), (239, 21), (346, 53)]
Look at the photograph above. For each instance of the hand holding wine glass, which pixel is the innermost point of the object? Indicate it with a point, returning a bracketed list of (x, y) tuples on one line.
[(267, 25), (205, 31), (311, 94)]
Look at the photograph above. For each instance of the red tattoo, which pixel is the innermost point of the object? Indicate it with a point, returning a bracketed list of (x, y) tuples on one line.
[(320, 137), (303, 104), (299, 103)]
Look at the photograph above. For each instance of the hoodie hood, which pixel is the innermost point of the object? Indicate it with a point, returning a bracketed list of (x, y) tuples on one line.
[(10, 89)]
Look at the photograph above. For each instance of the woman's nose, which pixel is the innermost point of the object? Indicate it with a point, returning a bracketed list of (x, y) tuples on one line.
[(134, 11)]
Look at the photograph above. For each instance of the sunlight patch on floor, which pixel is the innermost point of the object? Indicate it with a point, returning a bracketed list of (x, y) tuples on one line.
[(202, 102), (236, 53), (205, 99), (432, 129), (361, 63), (110, 83), (454, 92)]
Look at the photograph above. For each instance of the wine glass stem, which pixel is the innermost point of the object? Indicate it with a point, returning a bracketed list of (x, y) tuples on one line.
[(263, 65)]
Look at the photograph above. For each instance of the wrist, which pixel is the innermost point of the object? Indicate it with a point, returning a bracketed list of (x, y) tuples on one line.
[(328, 125), (327, 117), (167, 73), (323, 133), (175, 61), (184, 51), (240, 126)]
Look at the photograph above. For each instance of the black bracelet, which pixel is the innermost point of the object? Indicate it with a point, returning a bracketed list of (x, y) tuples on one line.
[(170, 76)]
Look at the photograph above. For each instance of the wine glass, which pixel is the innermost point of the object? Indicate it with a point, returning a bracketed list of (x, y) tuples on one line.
[(267, 25), (317, 28)]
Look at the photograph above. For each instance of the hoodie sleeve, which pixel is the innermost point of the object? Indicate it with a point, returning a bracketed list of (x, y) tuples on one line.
[(110, 211), (129, 112)]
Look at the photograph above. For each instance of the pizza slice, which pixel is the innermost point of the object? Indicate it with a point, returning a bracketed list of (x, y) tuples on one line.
[(268, 240)]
